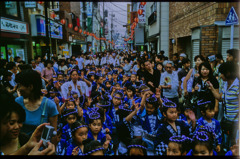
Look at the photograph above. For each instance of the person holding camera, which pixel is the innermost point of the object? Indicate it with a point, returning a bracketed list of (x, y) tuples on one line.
[(12, 115), (230, 97)]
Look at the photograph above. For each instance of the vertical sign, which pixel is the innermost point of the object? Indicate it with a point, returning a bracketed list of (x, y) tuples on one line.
[(141, 18), (89, 9), (128, 17)]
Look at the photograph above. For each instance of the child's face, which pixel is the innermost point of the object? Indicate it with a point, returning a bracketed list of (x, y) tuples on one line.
[(150, 109), (52, 95), (201, 150), (60, 77), (173, 149), (136, 152), (129, 93), (210, 113), (117, 87), (96, 126), (115, 76), (110, 77), (70, 105), (75, 96), (92, 78), (116, 101), (171, 114), (108, 85), (133, 78), (71, 119), (100, 80), (80, 135)]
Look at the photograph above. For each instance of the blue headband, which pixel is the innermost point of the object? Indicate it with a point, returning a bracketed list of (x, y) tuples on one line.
[(79, 127), (165, 100), (90, 152), (137, 146)]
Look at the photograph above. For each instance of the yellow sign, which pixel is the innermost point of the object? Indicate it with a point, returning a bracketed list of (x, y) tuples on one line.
[(128, 17)]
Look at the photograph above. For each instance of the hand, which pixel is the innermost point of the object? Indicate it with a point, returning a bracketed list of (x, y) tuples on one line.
[(78, 87), (106, 143), (218, 148), (192, 116), (196, 75), (44, 91), (57, 85), (77, 102), (148, 93), (36, 136), (150, 83), (108, 137), (158, 95), (210, 86), (56, 100), (75, 151), (50, 150), (169, 86), (107, 130), (136, 106)]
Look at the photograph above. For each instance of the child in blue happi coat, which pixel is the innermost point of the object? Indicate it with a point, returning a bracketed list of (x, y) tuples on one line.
[(169, 127), (70, 117), (149, 121), (95, 127), (130, 96), (61, 143), (79, 131), (207, 110)]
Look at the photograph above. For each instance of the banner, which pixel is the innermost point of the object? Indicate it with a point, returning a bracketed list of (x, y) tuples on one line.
[(143, 15)]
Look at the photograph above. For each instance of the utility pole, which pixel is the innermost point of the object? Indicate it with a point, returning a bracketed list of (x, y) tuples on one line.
[(92, 24), (103, 24), (113, 15), (46, 25)]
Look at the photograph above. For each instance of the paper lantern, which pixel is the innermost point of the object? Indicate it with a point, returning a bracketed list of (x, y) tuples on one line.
[(87, 33), (80, 31), (140, 11), (143, 3), (70, 25), (136, 20), (63, 21), (84, 32), (75, 28)]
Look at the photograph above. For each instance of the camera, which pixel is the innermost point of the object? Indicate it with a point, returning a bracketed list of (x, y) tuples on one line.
[(47, 134), (212, 58)]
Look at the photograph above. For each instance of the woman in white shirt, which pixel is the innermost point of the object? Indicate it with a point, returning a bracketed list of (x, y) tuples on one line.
[(63, 67)]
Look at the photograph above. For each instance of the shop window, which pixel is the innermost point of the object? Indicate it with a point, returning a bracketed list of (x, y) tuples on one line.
[(11, 8)]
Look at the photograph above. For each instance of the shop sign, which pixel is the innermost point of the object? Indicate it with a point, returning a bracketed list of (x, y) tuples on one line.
[(141, 18), (55, 29), (70, 38), (30, 4), (89, 9), (14, 26)]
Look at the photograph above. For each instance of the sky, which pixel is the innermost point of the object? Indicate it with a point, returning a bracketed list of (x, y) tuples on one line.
[(120, 11)]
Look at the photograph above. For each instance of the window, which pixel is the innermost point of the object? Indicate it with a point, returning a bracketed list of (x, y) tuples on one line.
[(11, 8), (154, 7)]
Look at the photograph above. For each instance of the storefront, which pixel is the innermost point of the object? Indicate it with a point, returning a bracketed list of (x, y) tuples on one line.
[(39, 38), (13, 39)]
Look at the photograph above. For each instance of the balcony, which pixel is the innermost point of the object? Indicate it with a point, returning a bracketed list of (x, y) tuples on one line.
[(152, 18)]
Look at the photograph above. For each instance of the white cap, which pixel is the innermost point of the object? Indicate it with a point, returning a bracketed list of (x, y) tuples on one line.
[(183, 55)]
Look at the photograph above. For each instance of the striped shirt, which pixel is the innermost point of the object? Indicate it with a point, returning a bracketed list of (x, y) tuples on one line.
[(231, 100)]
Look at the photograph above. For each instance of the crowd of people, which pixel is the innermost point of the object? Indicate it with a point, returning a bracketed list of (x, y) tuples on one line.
[(121, 103)]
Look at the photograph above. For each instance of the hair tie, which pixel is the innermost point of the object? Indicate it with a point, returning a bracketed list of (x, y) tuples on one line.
[(208, 129), (122, 107), (104, 105), (165, 100), (137, 146), (201, 136), (79, 127), (198, 103), (182, 139), (90, 152), (70, 113), (151, 99), (94, 114), (144, 90)]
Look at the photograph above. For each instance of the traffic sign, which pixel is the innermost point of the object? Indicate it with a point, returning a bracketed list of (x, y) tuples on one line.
[(232, 17)]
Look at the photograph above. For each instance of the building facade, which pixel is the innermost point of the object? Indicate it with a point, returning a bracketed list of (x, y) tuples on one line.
[(199, 28)]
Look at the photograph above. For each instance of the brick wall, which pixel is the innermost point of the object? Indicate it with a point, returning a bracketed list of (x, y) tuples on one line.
[(184, 16), (209, 40)]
